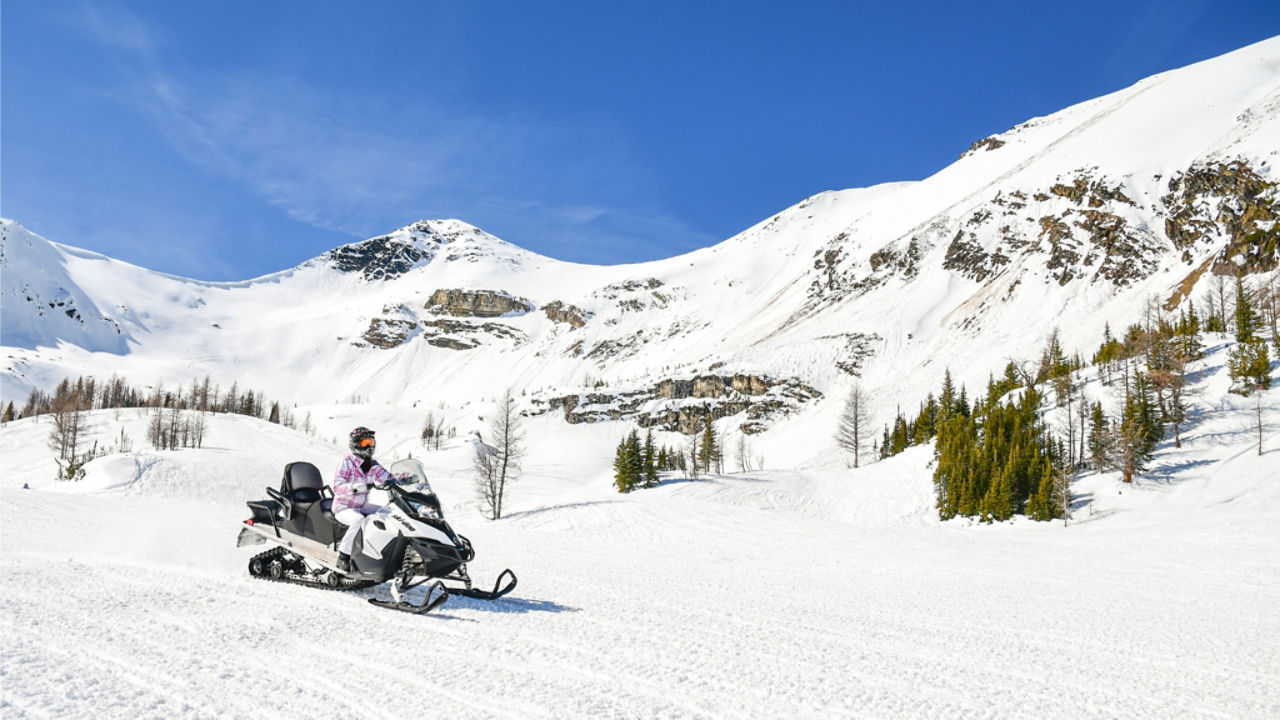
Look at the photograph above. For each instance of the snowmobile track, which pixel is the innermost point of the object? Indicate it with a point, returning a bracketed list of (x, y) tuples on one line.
[(263, 566)]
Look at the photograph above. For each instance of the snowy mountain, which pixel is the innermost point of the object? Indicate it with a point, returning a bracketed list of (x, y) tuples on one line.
[(1071, 220), (802, 588)]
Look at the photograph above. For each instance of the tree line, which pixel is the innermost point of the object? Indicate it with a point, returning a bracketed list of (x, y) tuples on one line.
[(177, 416), (995, 457)]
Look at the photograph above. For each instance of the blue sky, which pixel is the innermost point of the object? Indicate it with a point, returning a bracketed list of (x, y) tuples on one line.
[(227, 140)]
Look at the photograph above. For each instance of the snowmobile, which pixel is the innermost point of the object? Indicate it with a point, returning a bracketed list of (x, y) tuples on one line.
[(407, 542)]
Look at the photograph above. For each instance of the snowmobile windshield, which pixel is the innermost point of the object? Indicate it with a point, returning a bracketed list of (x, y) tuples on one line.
[(411, 475), (414, 492)]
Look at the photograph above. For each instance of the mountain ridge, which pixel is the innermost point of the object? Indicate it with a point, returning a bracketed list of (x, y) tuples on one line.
[(1079, 216)]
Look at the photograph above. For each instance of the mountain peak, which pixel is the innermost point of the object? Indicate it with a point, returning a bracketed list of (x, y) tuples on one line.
[(389, 256)]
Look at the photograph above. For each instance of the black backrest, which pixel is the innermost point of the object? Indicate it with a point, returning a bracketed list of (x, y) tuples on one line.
[(302, 482)]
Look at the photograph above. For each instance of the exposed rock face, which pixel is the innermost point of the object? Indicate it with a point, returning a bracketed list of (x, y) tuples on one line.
[(388, 332), (711, 386), (1084, 188), (1090, 239), (968, 258), (1084, 227), (986, 143), (639, 295), (379, 258), (476, 303), (1228, 200), (559, 312), (904, 262), (684, 405), (457, 335), (840, 276), (857, 348)]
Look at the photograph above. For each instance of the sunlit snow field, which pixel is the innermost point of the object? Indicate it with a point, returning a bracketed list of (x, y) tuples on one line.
[(814, 591)]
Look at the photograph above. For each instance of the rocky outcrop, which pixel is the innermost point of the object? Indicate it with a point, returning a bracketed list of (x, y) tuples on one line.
[(685, 405), (458, 335), (1085, 189), (966, 256), (857, 348), (904, 262), (477, 303), (396, 327), (380, 258), (986, 143), (639, 295), (558, 312), (388, 332), (1231, 200)]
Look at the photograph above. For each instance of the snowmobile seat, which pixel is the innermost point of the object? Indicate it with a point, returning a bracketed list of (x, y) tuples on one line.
[(308, 504), (302, 482)]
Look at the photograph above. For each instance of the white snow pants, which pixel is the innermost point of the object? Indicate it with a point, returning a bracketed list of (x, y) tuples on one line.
[(353, 518)]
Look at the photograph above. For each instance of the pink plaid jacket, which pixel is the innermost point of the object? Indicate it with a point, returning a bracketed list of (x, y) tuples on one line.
[(351, 484)]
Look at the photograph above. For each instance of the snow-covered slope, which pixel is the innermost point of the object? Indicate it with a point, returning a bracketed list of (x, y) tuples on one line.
[(811, 592), (1071, 220)]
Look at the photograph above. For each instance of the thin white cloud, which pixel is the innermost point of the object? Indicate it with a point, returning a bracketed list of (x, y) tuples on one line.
[(116, 27), (346, 161)]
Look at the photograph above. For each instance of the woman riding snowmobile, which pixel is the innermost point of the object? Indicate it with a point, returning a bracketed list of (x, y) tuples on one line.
[(351, 489)]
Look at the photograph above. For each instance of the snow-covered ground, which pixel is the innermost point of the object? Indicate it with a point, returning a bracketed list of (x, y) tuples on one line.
[(814, 591)]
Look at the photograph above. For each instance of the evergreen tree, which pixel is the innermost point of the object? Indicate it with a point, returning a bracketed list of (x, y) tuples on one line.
[(620, 479), (962, 403), (1135, 438), (1099, 438), (275, 413), (926, 424), (1010, 381), (709, 449), (649, 462), (1040, 503), (1249, 361), (1250, 364), (8, 413), (947, 399), (629, 469), (1247, 321), (1188, 345), (956, 439)]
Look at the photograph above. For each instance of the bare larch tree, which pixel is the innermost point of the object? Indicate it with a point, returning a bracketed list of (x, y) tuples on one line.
[(854, 428), (498, 464)]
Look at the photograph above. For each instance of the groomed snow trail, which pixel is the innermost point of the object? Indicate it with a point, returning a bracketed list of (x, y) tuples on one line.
[(692, 600)]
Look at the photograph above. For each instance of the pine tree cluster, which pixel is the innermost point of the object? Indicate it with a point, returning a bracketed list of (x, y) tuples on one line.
[(996, 460), (635, 465)]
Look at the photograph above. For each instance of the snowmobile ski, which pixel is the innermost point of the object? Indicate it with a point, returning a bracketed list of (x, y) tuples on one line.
[(436, 596), (498, 588)]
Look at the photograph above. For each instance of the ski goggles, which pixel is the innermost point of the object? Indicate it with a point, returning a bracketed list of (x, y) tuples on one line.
[(366, 442)]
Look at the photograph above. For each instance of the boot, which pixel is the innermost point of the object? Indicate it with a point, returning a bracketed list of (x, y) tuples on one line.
[(344, 562)]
